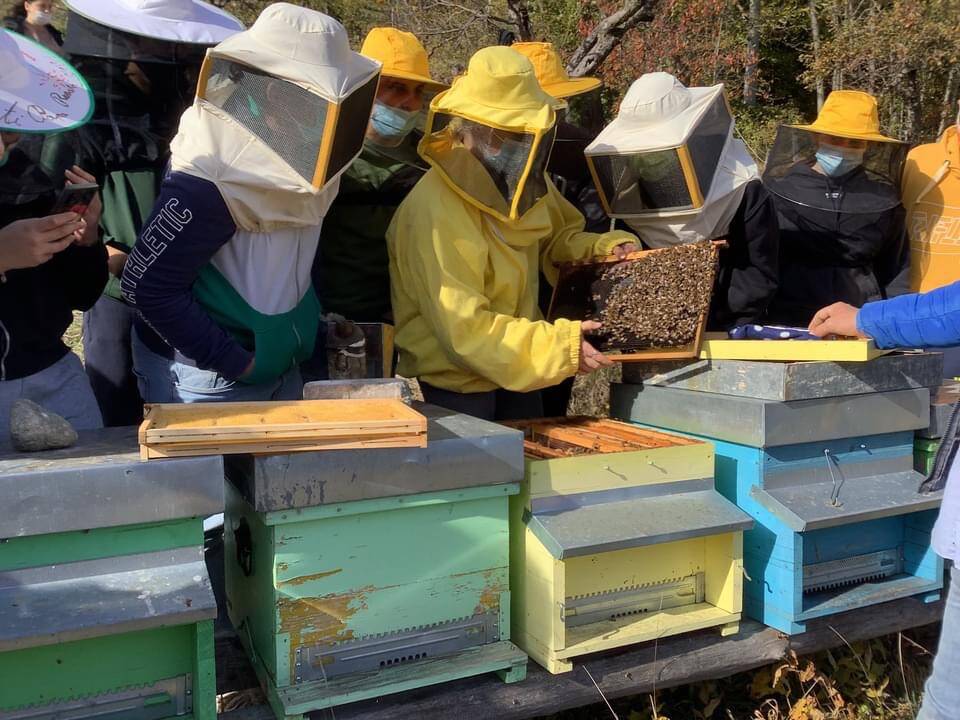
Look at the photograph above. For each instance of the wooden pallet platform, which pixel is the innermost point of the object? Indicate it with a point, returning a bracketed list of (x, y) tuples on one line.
[(674, 661)]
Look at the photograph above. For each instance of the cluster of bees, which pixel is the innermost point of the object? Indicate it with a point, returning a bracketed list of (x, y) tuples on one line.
[(659, 299)]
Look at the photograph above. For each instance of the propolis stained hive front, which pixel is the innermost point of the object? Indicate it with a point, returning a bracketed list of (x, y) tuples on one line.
[(618, 537), (353, 574)]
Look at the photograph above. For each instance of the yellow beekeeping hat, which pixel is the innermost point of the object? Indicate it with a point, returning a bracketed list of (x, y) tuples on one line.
[(551, 73), (401, 54), (849, 114)]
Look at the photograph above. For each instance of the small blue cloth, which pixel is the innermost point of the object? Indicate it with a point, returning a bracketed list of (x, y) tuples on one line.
[(770, 332)]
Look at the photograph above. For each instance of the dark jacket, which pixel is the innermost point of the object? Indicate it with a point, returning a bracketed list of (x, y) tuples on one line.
[(351, 269), (36, 304), (856, 253), (16, 24), (747, 277)]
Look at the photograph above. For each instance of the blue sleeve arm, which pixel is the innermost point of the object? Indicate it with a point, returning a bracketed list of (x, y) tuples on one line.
[(914, 321), (188, 225)]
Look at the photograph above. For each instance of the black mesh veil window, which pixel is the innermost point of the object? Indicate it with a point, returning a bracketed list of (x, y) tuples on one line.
[(488, 163), (708, 140), (642, 183), (289, 119), (354, 114), (90, 39), (536, 185), (871, 186)]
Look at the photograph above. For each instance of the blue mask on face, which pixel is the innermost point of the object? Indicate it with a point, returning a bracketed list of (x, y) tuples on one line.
[(391, 123), (836, 161)]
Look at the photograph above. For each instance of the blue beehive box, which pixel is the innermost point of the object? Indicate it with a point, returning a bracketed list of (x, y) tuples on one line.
[(840, 522)]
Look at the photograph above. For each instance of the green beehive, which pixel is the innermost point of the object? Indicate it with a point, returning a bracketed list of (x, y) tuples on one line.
[(106, 608), (353, 574)]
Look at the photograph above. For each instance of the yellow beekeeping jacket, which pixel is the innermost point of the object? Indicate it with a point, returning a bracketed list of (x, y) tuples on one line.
[(931, 196), (464, 289)]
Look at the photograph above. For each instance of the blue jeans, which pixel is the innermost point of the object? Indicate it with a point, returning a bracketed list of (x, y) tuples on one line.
[(62, 388), (941, 699), (163, 380)]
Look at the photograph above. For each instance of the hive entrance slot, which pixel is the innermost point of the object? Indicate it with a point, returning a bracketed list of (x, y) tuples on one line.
[(839, 575), (625, 603)]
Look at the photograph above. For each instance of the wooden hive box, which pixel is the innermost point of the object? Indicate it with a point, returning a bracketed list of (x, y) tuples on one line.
[(840, 521), (106, 608), (618, 537), (183, 430), (353, 574)]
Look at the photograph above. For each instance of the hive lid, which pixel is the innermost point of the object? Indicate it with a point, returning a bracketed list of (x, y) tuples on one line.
[(785, 381), (587, 527), (810, 507), (105, 597), (717, 346), (101, 482), (463, 452), (767, 423)]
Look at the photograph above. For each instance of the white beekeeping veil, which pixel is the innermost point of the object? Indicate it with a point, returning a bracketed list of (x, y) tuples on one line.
[(669, 164), (281, 112)]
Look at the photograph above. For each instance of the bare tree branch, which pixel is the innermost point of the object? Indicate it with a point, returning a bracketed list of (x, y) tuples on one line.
[(608, 33), (521, 18)]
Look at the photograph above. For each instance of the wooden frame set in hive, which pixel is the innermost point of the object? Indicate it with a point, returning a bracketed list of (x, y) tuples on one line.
[(177, 430), (618, 537), (584, 289)]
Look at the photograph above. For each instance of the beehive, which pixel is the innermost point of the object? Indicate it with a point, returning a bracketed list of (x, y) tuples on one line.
[(618, 537), (106, 608), (829, 480), (355, 574)]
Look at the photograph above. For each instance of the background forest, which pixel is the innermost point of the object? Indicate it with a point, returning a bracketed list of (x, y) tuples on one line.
[(777, 59)]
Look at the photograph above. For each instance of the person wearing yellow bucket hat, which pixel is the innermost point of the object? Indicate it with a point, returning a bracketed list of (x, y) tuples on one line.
[(467, 245), (351, 271), (836, 185)]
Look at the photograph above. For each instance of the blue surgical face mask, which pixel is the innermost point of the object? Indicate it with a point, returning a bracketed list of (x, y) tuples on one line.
[(390, 123), (835, 160)]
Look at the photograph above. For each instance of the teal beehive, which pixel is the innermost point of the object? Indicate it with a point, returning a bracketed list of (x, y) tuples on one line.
[(355, 574)]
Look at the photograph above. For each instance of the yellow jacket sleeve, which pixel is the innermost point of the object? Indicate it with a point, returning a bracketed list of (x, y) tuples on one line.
[(441, 259), (569, 241)]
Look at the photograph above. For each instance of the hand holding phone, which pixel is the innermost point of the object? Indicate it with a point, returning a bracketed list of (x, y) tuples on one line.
[(81, 196)]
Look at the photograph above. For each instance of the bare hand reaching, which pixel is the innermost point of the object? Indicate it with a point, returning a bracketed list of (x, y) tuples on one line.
[(591, 359), (837, 319)]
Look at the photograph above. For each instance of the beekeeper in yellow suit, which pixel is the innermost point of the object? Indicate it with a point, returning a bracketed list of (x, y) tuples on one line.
[(467, 243)]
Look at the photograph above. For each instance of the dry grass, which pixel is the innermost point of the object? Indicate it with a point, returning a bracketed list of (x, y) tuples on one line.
[(73, 337), (879, 679)]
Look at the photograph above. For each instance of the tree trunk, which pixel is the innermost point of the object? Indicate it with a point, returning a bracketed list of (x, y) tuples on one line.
[(521, 17), (948, 113), (815, 42), (597, 46), (753, 54)]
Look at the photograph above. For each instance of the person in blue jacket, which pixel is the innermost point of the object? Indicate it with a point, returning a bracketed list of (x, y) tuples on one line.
[(924, 320)]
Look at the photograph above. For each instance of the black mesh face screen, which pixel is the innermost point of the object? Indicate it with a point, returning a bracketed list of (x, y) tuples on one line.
[(289, 119), (708, 140), (351, 127), (486, 163), (536, 185), (871, 186), (87, 38), (642, 183)]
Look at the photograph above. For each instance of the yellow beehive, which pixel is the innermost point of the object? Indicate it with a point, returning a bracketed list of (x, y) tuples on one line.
[(618, 537)]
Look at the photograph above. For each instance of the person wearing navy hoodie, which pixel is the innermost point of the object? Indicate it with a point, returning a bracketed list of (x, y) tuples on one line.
[(927, 320), (220, 274)]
